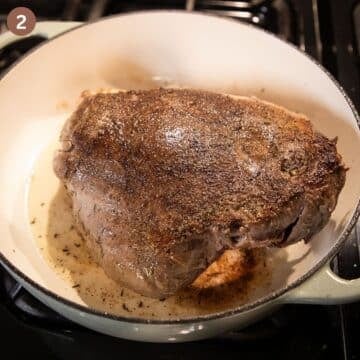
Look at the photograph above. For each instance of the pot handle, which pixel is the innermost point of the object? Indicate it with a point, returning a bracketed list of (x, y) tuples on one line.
[(47, 29), (325, 288)]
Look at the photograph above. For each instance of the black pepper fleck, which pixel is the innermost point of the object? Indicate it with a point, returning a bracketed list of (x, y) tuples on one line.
[(125, 307)]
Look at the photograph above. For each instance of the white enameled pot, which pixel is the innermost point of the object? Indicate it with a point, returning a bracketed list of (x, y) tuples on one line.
[(150, 49)]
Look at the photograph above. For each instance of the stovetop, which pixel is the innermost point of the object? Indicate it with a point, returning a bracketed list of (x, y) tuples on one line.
[(327, 30)]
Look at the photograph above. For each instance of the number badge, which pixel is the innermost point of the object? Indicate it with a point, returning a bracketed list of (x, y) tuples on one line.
[(21, 21)]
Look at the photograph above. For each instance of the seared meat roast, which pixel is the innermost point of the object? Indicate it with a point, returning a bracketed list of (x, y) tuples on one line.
[(164, 181)]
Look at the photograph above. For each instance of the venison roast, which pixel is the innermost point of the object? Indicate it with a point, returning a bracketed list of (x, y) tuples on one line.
[(164, 181)]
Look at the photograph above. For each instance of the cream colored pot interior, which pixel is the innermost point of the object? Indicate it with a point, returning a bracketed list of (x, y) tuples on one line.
[(149, 50)]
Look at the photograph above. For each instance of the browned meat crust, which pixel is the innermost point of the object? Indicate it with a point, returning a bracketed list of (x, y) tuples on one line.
[(163, 181)]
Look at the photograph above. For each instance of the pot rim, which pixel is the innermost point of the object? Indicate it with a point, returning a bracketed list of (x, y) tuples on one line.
[(213, 316)]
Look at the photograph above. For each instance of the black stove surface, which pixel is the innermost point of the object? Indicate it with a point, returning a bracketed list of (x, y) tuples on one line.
[(327, 30), (294, 332)]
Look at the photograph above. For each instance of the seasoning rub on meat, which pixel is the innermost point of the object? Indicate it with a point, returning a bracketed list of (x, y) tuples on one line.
[(164, 181)]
